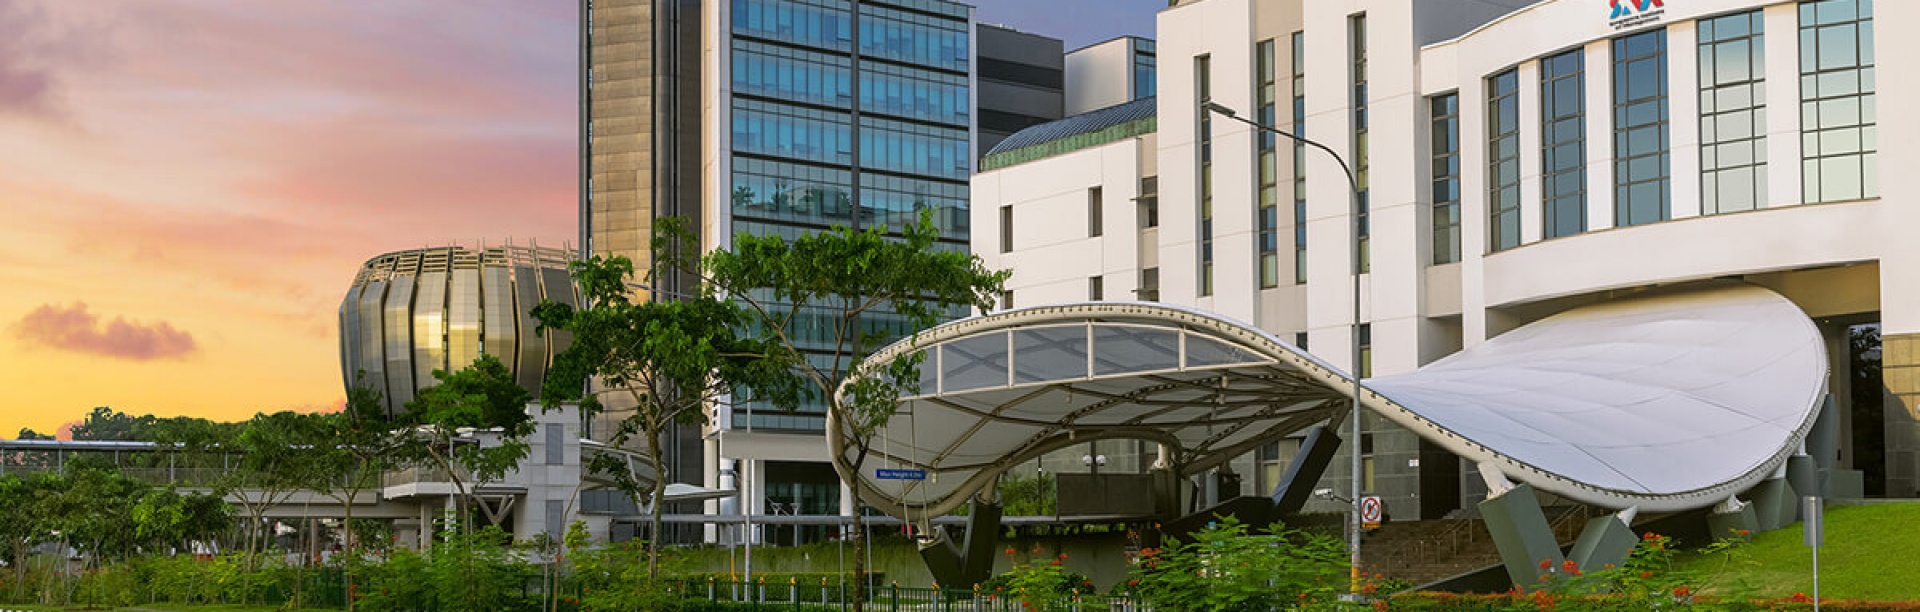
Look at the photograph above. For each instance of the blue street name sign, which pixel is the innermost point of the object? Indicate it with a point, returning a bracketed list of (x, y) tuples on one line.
[(900, 474)]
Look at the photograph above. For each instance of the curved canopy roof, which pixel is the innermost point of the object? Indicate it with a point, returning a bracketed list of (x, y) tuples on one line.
[(1667, 401)]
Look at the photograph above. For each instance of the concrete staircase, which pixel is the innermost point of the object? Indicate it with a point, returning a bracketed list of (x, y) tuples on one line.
[(1426, 551)]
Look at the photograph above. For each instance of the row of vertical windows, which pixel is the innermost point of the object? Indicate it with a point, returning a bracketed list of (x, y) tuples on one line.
[(1445, 110), (785, 73), (1363, 201), (1267, 157), (795, 193), (1838, 117), (1733, 114), (1563, 156), (1641, 162), (793, 132), (1503, 160), (1203, 75), (912, 93), (913, 148), (909, 37), (1299, 158), (823, 24), (897, 201)]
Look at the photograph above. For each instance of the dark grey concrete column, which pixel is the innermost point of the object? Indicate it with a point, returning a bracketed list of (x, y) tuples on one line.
[(1316, 453), (1774, 504), (1521, 533), (969, 562), (1604, 542)]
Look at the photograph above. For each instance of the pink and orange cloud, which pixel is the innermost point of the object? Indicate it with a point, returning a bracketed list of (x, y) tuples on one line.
[(74, 329)]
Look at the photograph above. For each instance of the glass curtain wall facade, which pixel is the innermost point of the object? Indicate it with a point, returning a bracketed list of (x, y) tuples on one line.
[(1503, 160), (1838, 118), (1733, 114), (1299, 158), (847, 112), (1640, 135), (1563, 144), (1144, 63), (1203, 77), (1358, 32), (1445, 111), (1267, 160)]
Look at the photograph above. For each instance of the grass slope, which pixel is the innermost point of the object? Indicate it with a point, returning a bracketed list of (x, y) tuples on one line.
[(1870, 554)]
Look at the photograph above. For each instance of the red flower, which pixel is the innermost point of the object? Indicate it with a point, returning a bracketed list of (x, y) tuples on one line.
[(1646, 575), (1380, 604), (1545, 563), (1801, 598), (1063, 556), (1569, 566), (1682, 591)]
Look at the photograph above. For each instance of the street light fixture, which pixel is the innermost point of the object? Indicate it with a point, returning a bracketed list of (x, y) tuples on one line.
[(1353, 215)]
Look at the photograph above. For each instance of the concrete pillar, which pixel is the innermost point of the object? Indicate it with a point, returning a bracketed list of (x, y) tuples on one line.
[(1604, 542), (1774, 504), (969, 562), (1732, 520), (1521, 534)]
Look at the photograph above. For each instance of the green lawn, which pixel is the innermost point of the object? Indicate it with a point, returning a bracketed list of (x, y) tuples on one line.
[(1872, 553)]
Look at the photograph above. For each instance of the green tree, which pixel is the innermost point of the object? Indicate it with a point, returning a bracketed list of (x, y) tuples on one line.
[(1225, 568), (839, 280), (448, 420), (276, 460), (165, 518), (671, 359), (360, 443), (105, 423), (23, 525)]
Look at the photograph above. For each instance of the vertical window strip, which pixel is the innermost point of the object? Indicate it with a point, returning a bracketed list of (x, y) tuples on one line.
[(1563, 144), (1733, 113), (1503, 161), (1266, 155), (1299, 158), (1203, 75), (1640, 135), (1445, 144), (1363, 203), (1838, 117)]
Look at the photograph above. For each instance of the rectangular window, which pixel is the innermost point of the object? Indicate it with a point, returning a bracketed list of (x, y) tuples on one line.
[(1299, 158), (1147, 206), (1006, 300), (1366, 350), (1362, 201), (1096, 288), (1445, 143), (1563, 144), (1733, 113), (1503, 160), (1203, 76), (1267, 171), (1839, 121), (1640, 147), (1300, 340), (1149, 285), (1095, 219), (1006, 229)]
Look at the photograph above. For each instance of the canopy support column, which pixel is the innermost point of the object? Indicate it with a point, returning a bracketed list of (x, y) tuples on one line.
[(1519, 529), (969, 562), (1316, 453), (1605, 541)]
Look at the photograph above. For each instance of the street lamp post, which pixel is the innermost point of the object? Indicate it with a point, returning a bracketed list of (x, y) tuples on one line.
[(1353, 216)]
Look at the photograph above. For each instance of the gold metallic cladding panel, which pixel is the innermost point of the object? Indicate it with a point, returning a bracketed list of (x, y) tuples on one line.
[(398, 336), (531, 356), (497, 325), (371, 356), (463, 319), (430, 328)]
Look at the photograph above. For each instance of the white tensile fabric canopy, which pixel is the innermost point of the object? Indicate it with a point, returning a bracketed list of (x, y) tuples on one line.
[(1670, 400)]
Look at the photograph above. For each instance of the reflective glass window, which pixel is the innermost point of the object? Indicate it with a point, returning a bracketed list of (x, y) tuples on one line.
[(1267, 161), (1503, 160), (1299, 86), (915, 38), (823, 24), (1203, 77), (1563, 144), (1640, 135), (1733, 113), (1839, 120), (1445, 142), (1363, 201)]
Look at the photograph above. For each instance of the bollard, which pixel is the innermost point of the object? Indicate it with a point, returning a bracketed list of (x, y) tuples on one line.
[(761, 595), (895, 599)]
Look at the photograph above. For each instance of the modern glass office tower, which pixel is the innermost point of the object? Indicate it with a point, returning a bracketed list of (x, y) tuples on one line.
[(778, 117)]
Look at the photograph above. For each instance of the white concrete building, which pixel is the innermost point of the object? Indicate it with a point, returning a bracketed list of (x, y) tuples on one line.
[(1513, 161)]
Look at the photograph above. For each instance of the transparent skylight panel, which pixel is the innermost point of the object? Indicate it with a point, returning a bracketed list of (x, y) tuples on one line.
[(1050, 354), (974, 363), (1121, 349)]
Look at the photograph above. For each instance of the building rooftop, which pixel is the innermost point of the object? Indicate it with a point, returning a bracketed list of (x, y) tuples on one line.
[(1087, 129)]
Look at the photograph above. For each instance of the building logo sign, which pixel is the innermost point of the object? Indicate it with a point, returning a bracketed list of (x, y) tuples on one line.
[(1633, 13)]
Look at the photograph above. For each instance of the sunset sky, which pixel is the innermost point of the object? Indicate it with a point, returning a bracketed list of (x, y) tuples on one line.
[(187, 186)]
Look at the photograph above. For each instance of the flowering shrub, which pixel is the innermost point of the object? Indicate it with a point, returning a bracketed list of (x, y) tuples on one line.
[(1224, 568)]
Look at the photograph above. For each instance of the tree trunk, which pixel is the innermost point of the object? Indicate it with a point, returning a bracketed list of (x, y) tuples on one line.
[(346, 565), (859, 550), (659, 495)]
